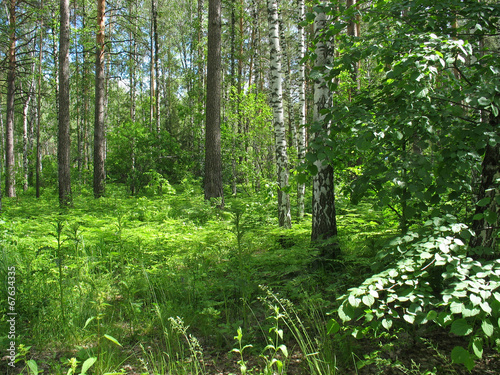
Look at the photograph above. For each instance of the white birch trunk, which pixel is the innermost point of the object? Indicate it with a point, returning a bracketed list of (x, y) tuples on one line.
[(301, 132), (324, 223), (284, 215)]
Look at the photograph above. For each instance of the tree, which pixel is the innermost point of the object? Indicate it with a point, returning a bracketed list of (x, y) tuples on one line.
[(284, 215), (63, 145), (99, 125), (10, 174), (213, 158), (324, 222), (301, 132)]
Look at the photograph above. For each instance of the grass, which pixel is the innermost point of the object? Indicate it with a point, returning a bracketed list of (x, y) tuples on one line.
[(161, 285)]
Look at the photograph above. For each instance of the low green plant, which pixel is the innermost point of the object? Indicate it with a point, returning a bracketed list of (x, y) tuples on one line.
[(430, 279)]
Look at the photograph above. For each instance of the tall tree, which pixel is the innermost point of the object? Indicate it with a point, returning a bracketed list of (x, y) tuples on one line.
[(63, 142), (99, 125), (301, 132), (10, 174), (284, 215), (38, 162), (213, 158), (324, 224)]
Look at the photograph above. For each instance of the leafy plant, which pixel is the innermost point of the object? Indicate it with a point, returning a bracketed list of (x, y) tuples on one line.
[(431, 280)]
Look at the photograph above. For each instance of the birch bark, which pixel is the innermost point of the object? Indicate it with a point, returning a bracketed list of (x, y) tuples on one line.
[(324, 224), (284, 215)]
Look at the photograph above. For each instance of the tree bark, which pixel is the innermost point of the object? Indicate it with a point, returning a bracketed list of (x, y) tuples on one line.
[(488, 212), (213, 158), (38, 162), (63, 144), (324, 224), (99, 141), (301, 132), (10, 174), (284, 215)]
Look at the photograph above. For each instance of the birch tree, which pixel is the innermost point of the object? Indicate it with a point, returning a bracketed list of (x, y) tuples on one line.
[(301, 132), (284, 216), (324, 224)]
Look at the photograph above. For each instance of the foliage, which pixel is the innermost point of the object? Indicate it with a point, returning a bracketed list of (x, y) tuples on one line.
[(429, 278)]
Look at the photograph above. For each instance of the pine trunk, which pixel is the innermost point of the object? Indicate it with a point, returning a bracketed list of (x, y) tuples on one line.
[(63, 149), (213, 157), (284, 215), (99, 140)]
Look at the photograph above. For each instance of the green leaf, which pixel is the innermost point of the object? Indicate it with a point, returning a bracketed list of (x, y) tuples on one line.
[(368, 300), (477, 347), (33, 366), (332, 327), (460, 327), (284, 350), (88, 364), (461, 356), (456, 307), (112, 339), (487, 327), (484, 101), (431, 315), (387, 323), (88, 321), (476, 300)]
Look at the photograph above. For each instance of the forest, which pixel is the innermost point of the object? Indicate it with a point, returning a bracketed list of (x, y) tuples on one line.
[(249, 187)]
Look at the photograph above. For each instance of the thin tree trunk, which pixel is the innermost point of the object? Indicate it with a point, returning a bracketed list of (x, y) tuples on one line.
[(213, 158), (284, 215), (38, 162), (99, 141), (301, 133), (25, 139), (324, 224), (63, 145), (10, 173)]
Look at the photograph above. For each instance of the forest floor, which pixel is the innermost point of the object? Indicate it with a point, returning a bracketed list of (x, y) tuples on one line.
[(103, 285)]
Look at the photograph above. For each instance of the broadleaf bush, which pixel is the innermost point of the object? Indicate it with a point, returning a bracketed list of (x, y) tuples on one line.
[(429, 278)]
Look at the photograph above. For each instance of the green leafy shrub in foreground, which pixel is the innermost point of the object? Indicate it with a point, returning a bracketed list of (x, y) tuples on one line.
[(431, 279)]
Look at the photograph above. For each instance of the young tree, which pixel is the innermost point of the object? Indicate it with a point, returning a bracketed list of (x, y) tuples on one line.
[(213, 158), (99, 125), (324, 223), (284, 215), (63, 145), (10, 176)]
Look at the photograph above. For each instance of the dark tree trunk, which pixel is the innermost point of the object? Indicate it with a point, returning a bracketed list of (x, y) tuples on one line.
[(488, 211), (213, 158), (63, 144), (99, 141), (10, 177)]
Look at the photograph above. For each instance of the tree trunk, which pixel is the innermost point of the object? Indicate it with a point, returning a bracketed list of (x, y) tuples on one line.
[(10, 174), (284, 216), (213, 158), (38, 162), (324, 224), (25, 139), (488, 210), (99, 141), (301, 133), (63, 144), (155, 90)]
